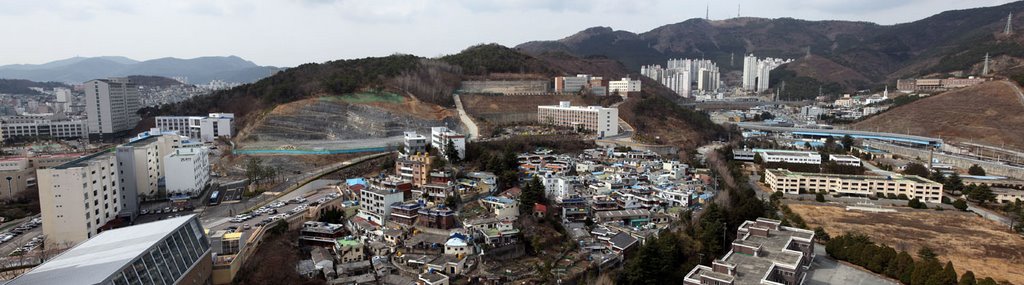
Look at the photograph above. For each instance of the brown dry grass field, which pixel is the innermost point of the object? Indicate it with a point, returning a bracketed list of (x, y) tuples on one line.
[(990, 113), (490, 104), (970, 242)]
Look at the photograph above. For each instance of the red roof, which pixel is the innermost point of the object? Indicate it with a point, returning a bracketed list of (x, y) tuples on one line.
[(538, 207)]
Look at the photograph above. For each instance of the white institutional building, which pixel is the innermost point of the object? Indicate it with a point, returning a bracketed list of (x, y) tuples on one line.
[(601, 120), (198, 127), (854, 185), (756, 72), (187, 172), (624, 86), (111, 106)]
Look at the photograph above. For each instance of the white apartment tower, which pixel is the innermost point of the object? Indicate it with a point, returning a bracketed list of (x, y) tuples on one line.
[(756, 72), (603, 121), (142, 166), (680, 75), (79, 197), (187, 172), (111, 106)]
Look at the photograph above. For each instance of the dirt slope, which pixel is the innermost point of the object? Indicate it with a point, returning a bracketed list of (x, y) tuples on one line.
[(990, 113)]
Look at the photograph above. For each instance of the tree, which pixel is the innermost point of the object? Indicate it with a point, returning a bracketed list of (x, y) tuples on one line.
[(453, 201), (948, 274), (960, 204), (953, 183), (967, 279), (916, 204), (532, 193), (820, 198), (820, 233), (758, 159), (847, 142), (981, 194), (918, 169), (451, 153), (987, 281), (926, 253), (976, 170)]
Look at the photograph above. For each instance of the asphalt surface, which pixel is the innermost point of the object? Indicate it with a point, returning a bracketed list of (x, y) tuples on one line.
[(826, 270)]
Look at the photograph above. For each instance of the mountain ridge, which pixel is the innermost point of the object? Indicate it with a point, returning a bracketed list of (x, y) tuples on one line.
[(880, 53), (199, 70)]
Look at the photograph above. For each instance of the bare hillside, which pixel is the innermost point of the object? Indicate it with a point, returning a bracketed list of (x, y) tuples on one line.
[(991, 113)]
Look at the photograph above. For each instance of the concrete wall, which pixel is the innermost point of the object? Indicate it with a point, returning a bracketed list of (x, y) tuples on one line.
[(663, 150), (991, 168), (507, 118)]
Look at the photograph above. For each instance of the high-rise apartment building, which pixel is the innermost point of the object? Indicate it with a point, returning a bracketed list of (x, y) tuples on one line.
[(441, 136), (141, 164), (680, 75), (756, 72), (111, 106)]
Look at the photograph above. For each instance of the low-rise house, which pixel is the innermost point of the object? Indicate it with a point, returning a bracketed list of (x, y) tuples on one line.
[(501, 207), (320, 233), (349, 250), (438, 217)]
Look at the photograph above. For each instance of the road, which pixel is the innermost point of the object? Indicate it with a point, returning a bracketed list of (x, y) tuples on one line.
[(471, 128)]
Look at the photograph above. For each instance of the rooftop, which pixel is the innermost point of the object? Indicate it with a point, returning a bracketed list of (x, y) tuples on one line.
[(94, 260), (84, 161), (910, 178)]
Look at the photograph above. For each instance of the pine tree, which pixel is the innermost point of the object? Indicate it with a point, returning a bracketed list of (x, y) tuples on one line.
[(968, 279), (949, 273)]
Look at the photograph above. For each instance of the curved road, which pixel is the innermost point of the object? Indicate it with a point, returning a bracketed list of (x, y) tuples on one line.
[(471, 128)]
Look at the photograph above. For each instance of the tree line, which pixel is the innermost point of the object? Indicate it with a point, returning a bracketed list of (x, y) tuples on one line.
[(882, 259)]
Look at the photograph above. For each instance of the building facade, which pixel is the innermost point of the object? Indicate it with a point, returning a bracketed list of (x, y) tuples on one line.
[(440, 136), (854, 185), (173, 251), (414, 168), (142, 163), (375, 204), (79, 197), (603, 121), (623, 86), (198, 127), (111, 106), (24, 127), (16, 176), (764, 252), (187, 172)]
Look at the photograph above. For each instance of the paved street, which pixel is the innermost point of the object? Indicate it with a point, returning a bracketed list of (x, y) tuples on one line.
[(829, 271)]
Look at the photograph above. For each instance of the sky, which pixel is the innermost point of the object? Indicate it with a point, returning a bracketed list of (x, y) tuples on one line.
[(293, 32)]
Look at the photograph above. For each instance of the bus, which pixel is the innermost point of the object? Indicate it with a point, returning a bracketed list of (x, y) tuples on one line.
[(215, 198)]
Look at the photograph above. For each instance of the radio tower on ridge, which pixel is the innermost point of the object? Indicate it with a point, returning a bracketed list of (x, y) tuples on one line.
[(1009, 25)]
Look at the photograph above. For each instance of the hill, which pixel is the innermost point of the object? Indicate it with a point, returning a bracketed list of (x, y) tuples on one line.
[(153, 81), (21, 86), (200, 70), (948, 41), (988, 113)]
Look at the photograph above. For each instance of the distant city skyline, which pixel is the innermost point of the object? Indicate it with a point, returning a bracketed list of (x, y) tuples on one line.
[(293, 32)]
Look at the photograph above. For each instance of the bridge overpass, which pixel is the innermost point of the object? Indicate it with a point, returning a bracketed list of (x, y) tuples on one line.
[(917, 141)]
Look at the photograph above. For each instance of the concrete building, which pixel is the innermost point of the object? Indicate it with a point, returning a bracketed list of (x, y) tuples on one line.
[(566, 84), (375, 204), (198, 127), (934, 84), (510, 87), (414, 168), (27, 127), (756, 72), (187, 172), (77, 198), (853, 185), (172, 251), (414, 143), (440, 136), (623, 86), (111, 106), (603, 121), (847, 160), (16, 176), (764, 252), (142, 164), (789, 156)]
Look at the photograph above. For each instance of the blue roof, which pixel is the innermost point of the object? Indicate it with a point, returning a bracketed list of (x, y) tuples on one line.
[(354, 181), (498, 199)]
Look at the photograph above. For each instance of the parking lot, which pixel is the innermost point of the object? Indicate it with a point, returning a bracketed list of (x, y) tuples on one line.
[(22, 238), (224, 217)]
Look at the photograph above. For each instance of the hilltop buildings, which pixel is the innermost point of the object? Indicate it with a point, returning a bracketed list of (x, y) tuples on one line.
[(927, 85), (581, 83), (440, 137), (173, 251), (756, 72), (202, 128), (41, 126), (111, 105), (603, 121)]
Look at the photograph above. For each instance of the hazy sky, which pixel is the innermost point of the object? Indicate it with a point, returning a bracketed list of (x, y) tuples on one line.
[(292, 32)]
